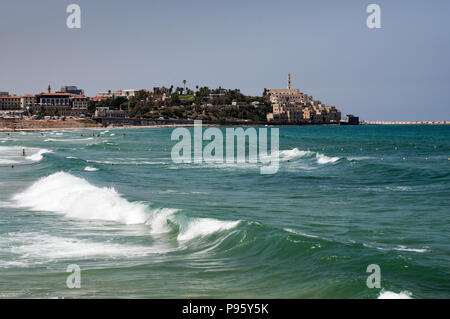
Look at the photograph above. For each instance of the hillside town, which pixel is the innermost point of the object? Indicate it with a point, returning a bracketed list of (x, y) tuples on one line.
[(126, 106), (292, 106)]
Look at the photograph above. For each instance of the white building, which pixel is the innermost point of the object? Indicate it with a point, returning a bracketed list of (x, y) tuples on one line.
[(124, 93)]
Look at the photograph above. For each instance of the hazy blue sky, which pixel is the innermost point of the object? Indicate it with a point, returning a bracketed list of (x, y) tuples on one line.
[(398, 72)]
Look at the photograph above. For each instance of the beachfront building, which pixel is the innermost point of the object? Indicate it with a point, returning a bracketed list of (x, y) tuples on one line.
[(53, 99), (124, 93), (106, 112), (28, 100), (62, 104), (57, 103), (79, 102), (10, 102), (293, 106), (286, 96), (98, 98)]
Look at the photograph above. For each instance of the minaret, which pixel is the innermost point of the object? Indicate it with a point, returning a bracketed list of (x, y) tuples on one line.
[(289, 82), (49, 89)]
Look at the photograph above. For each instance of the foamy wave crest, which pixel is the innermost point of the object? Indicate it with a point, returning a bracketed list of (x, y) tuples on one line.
[(200, 227), (159, 220), (392, 295), (14, 155), (36, 157), (189, 228), (74, 197), (323, 159), (295, 153), (90, 169), (415, 250), (4, 161), (289, 230)]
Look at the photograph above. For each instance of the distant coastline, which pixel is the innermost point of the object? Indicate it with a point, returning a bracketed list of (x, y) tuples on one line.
[(405, 122), (79, 124)]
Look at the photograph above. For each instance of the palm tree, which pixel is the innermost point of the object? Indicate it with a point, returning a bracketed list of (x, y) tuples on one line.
[(184, 83)]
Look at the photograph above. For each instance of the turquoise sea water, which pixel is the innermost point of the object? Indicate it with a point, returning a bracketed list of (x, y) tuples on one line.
[(140, 226)]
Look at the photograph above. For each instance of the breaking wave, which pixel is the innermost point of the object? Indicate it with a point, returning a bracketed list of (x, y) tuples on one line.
[(200, 227), (74, 197), (385, 294), (13, 155), (36, 157), (296, 154), (323, 159)]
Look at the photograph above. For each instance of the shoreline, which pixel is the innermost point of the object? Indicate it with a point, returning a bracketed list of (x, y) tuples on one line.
[(9, 126)]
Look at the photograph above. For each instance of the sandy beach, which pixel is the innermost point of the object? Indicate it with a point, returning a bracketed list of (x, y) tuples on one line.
[(72, 124)]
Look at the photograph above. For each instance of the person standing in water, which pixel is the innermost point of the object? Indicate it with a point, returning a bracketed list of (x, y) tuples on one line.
[(23, 152)]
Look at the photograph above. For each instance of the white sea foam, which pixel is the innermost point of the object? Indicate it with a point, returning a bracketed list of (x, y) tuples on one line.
[(415, 250), (392, 295), (90, 169), (13, 154), (199, 227), (4, 161), (399, 188), (4, 204), (36, 157), (37, 246), (159, 220), (294, 153), (323, 159), (64, 140), (299, 233), (398, 248), (74, 197), (189, 228)]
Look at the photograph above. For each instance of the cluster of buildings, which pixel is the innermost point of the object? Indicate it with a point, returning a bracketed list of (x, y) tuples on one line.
[(69, 101), (289, 105), (118, 93), (293, 106)]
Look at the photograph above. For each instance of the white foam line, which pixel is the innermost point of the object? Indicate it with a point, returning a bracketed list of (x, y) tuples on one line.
[(299, 233), (392, 295)]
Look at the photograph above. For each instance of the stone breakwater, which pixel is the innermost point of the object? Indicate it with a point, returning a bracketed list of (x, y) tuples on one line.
[(406, 123)]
